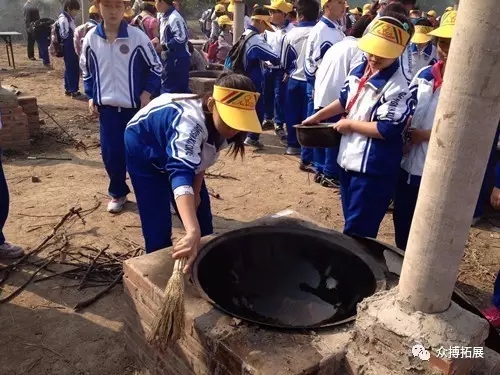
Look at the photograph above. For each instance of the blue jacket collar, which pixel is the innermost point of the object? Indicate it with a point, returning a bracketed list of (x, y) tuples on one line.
[(427, 50), (329, 23), (380, 79), (306, 23), (253, 29), (93, 22), (122, 31), (168, 12)]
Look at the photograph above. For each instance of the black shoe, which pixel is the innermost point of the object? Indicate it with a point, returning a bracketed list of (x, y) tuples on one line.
[(75, 95), (67, 93), (307, 167), (318, 177), (330, 182), (267, 125)]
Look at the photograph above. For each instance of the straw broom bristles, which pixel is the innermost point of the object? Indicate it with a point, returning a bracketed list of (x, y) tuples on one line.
[(168, 324)]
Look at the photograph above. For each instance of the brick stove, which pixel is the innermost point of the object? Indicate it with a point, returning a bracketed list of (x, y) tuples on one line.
[(20, 120), (214, 342)]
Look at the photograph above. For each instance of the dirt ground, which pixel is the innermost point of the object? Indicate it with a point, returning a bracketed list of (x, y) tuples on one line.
[(40, 333)]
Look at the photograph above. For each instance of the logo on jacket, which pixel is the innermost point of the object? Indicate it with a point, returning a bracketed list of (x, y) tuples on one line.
[(124, 49)]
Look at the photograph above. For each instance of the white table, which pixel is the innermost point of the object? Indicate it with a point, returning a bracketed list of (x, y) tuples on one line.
[(7, 37)]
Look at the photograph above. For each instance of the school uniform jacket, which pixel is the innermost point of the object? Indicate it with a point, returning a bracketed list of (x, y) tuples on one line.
[(322, 36), (174, 34), (428, 56), (426, 100), (255, 53), (385, 99), (67, 27), (275, 39), (334, 69), (293, 50), (116, 74), (172, 133)]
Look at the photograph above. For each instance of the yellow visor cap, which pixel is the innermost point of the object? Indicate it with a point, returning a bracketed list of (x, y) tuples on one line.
[(220, 8), (384, 40), (266, 19), (421, 34), (237, 108), (447, 26), (93, 9), (224, 20), (280, 5), (431, 13), (230, 7)]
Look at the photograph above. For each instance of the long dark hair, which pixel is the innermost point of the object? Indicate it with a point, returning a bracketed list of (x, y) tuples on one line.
[(358, 29), (233, 81)]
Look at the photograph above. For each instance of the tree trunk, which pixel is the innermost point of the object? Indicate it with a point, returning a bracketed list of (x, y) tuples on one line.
[(466, 120)]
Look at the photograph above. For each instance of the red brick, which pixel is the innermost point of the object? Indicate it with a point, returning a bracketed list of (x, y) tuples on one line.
[(26, 99), (141, 282)]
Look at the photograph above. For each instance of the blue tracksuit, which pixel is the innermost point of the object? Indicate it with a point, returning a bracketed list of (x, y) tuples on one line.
[(167, 144), (176, 59), (72, 70), (293, 56), (255, 53), (114, 76), (369, 166)]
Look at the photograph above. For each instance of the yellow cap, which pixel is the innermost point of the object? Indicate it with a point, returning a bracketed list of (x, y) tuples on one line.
[(355, 11), (384, 40), (93, 9), (449, 9), (224, 20), (445, 29), (431, 13), (280, 5), (324, 2), (220, 8), (153, 3), (266, 19), (421, 34), (237, 108), (367, 6), (129, 13), (230, 7), (223, 2)]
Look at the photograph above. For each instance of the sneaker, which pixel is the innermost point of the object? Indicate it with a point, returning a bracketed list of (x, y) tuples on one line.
[(267, 125), (330, 182), (9, 251), (281, 133), (391, 205), (292, 151), (254, 143), (318, 177), (115, 205), (307, 167), (493, 315)]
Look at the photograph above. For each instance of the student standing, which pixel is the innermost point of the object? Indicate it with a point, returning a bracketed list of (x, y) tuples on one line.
[(225, 40), (422, 49), (66, 26), (171, 142), (256, 51), (323, 35), (146, 20), (274, 86), (377, 101), (82, 30), (293, 57), (31, 14), (120, 72), (175, 55), (220, 10)]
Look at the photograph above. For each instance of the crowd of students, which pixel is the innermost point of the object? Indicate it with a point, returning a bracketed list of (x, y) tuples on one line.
[(374, 72)]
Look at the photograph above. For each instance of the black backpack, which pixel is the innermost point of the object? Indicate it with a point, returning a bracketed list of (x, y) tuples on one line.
[(234, 59), (43, 25)]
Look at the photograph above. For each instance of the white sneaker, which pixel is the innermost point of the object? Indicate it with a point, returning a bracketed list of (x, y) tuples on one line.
[(10, 251), (115, 205)]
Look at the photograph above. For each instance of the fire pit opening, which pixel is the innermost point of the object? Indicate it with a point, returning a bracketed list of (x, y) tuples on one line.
[(286, 277)]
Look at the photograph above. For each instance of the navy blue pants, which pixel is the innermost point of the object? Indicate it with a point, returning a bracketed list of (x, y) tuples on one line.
[(154, 194), (4, 201), (307, 153), (175, 77), (296, 109), (325, 159), (496, 292), (365, 199), (71, 67), (43, 48), (113, 122), (279, 98), (269, 94)]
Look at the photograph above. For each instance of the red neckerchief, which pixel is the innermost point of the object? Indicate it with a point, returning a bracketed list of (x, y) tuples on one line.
[(436, 72), (362, 82)]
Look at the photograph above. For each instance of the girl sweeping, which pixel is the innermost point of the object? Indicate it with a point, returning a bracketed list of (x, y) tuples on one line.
[(120, 72), (65, 26), (377, 101), (171, 142)]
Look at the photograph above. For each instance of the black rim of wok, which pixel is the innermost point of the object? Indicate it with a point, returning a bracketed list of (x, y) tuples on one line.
[(347, 244)]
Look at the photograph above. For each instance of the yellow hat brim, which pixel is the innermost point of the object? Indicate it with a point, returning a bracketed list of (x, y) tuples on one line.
[(244, 120), (377, 46), (230, 8), (283, 8), (226, 24), (421, 38), (129, 13), (445, 31)]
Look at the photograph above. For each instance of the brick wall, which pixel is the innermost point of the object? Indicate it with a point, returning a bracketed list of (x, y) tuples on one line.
[(30, 107), (14, 133)]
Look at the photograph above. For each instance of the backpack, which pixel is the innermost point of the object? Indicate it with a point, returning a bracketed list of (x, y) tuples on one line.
[(234, 59), (40, 27), (213, 48), (138, 22), (206, 20), (55, 47)]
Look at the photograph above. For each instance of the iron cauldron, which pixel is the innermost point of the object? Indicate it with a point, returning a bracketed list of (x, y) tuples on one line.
[(320, 135), (287, 277)]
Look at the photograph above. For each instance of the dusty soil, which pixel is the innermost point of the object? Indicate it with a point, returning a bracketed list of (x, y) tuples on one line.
[(40, 333)]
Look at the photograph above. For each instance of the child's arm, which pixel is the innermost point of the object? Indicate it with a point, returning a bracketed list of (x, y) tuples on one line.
[(180, 38), (198, 182), (333, 109), (288, 55), (152, 81), (264, 52), (88, 79)]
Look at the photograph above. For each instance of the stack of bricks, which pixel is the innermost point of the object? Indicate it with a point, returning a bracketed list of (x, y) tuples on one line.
[(30, 107), (214, 342), (14, 133)]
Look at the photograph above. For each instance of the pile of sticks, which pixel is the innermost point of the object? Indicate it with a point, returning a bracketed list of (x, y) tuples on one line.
[(90, 266)]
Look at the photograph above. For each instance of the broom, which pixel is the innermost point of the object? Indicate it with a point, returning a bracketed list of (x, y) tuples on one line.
[(168, 324)]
